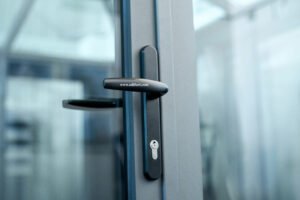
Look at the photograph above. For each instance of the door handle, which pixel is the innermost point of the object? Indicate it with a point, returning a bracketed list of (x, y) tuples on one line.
[(153, 89), (92, 103)]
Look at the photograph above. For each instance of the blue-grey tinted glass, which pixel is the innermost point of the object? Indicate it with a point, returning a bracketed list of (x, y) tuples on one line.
[(249, 98), (52, 50)]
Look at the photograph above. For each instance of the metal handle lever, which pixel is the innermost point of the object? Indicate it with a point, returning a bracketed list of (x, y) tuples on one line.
[(153, 88), (92, 103)]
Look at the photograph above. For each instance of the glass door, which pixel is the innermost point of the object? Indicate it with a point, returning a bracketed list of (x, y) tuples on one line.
[(249, 98), (53, 50)]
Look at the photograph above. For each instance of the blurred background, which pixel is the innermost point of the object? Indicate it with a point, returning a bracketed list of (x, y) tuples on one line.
[(52, 50), (249, 98)]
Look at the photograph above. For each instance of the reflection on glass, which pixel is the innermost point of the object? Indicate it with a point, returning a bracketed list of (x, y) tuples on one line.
[(69, 29), (59, 49), (8, 10), (206, 13), (249, 100)]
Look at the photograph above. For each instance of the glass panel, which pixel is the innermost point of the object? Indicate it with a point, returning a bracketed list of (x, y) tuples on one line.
[(60, 49), (7, 18), (249, 100)]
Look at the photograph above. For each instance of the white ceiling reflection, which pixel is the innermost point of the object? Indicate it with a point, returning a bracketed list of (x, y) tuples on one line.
[(244, 3), (71, 29), (8, 10), (206, 13)]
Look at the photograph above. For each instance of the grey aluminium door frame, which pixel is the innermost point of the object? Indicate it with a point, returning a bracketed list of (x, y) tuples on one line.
[(180, 114), (168, 25)]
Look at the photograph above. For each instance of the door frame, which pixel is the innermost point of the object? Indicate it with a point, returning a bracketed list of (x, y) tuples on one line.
[(181, 124), (168, 26)]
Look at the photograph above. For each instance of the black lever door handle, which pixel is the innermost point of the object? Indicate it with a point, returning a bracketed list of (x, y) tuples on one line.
[(92, 103), (153, 88)]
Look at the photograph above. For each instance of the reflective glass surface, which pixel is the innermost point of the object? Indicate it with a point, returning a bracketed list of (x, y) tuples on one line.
[(51, 50), (249, 98)]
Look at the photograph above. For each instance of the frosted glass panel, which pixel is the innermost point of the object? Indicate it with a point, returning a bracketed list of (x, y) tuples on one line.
[(56, 50), (249, 100), (8, 12)]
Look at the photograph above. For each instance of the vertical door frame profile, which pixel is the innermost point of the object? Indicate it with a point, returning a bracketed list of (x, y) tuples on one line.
[(126, 60), (168, 26), (142, 34), (180, 113)]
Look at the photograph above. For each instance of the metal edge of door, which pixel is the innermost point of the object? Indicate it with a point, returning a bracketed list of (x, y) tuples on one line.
[(142, 34), (180, 116), (168, 25), (129, 157)]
